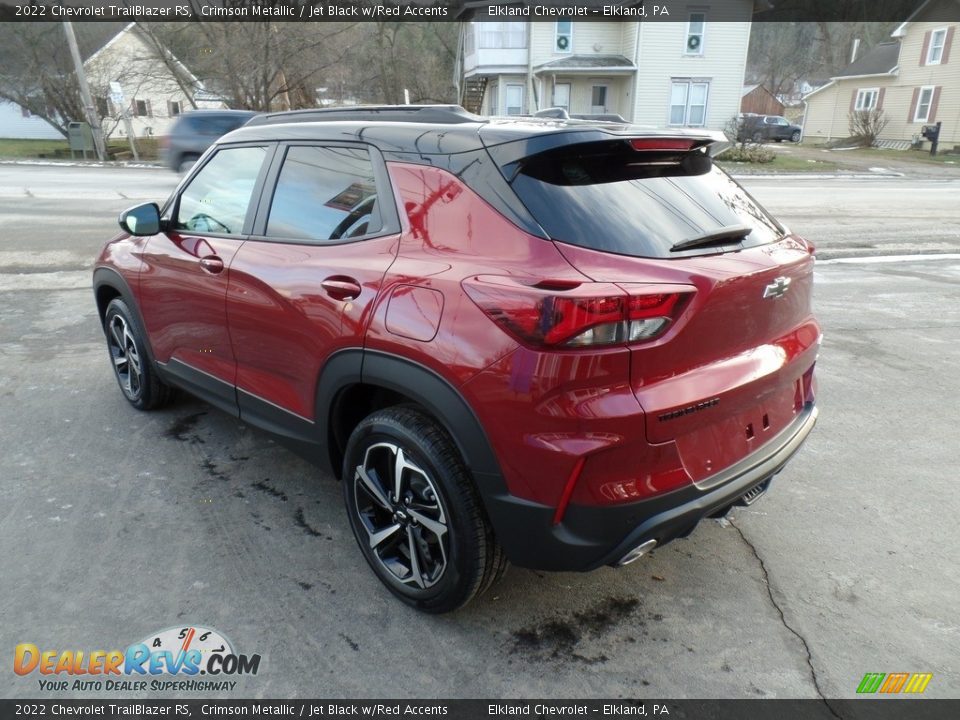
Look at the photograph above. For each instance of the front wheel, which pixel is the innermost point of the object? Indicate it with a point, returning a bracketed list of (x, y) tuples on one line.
[(415, 512), (758, 137), (131, 365)]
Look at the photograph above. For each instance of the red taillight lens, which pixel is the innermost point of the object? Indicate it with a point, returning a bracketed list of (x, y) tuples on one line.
[(549, 314)]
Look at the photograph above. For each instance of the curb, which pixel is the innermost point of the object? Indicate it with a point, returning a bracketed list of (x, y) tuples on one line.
[(87, 164)]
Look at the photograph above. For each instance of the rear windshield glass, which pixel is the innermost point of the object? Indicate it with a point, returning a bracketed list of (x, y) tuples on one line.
[(610, 197)]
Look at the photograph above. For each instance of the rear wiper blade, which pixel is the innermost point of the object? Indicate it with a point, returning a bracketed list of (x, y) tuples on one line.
[(725, 235)]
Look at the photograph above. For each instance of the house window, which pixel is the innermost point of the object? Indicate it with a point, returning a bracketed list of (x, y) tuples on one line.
[(695, 28), (494, 95), (514, 100), (924, 101), (561, 96), (866, 99), (141, 108), (688, 102), (24, 112), (937, 40), (564, 37), (174, 107), (497, 35)]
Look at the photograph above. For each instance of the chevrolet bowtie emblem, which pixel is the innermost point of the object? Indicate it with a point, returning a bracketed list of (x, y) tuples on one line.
[(778, 288)]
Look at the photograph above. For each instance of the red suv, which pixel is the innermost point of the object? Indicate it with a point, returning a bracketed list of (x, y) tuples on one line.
[(558, 343)]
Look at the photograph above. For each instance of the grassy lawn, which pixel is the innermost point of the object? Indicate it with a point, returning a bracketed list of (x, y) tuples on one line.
[(31, 148), (119, 148), (780, 164), (919, 156)]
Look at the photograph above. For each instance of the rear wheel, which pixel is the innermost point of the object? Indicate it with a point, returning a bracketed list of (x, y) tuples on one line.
[(415, 512), (795, 136), (135, 373)]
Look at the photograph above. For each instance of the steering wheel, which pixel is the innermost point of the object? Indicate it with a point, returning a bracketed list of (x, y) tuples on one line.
[(360, 211)]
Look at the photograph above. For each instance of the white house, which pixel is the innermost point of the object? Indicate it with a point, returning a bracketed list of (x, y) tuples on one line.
[(17, 122), (151, 93), (684, 73)]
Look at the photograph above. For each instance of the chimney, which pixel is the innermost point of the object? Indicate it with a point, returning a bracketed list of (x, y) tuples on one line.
[(853, 53)]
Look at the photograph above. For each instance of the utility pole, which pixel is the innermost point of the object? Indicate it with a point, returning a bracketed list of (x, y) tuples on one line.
[(88, 106)]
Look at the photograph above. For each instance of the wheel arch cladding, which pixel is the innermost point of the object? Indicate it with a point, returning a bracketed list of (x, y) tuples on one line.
[(352, 376), (109, 285)]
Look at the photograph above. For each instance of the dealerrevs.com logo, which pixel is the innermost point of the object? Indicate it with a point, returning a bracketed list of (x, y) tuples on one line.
[(171, 660)]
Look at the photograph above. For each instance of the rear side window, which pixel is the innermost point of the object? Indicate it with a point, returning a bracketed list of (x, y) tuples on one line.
[(325, 194), (609, 197), (218, 197)]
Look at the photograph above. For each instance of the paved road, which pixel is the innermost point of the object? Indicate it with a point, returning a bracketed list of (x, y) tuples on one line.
[(116, 524)]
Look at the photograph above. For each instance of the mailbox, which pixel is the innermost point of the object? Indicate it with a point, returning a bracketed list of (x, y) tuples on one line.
[(931, 132), (80, 137)]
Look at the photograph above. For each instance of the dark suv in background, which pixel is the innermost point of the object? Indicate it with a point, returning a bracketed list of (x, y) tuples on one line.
[(558, 343), (193, 132), (761, 128)]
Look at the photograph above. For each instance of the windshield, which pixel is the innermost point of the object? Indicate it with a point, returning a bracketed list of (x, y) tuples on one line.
[(612, 198)]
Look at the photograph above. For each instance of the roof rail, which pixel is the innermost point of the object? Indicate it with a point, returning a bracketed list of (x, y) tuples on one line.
[(447, 114)]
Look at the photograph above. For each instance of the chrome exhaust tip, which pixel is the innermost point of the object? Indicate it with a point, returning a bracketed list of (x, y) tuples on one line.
[(637, 553)]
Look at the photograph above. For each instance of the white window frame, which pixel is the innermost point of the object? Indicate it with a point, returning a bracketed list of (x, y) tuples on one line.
[(557, 35), (688, 83), (502, 35), (942, 32), (867, 99), (506, 98), (702, 34), (916, 112), (554, 102)]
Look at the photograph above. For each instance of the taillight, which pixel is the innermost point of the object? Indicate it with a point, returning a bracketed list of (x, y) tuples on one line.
[(650, 144), (552, 314)]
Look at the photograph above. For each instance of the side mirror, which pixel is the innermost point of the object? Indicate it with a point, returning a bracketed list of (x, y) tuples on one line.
[(141, 219)]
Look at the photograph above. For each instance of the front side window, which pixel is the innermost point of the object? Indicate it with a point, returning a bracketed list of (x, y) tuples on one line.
[(564, 37), (514, 100), (695, 31), (325, 194), (688, 103), (866, 99), (924, 101), (937, 40), (217, 198)]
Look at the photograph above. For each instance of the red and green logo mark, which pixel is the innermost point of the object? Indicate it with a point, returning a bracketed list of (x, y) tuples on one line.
[(894, 683)]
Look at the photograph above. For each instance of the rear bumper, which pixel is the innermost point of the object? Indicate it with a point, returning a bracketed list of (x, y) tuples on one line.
[(592, 536)]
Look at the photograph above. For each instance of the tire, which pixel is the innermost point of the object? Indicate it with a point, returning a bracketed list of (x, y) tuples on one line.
[(795, 136), (758, 137), (432, 547), (131, 363)]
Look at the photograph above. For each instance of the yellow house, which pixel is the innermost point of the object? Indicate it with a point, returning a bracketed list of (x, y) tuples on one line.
[(914, 79)]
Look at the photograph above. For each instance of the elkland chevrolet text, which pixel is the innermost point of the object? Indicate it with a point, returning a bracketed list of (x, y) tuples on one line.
[(556, 343)]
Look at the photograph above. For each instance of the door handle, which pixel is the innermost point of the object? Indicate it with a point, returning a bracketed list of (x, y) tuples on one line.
[(341, 288), (212, 264)]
